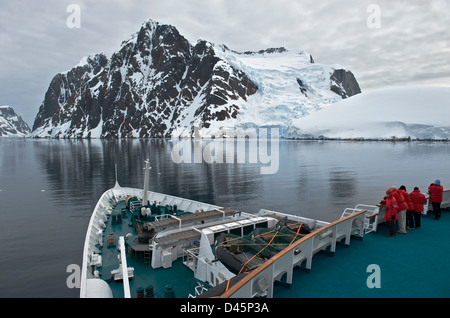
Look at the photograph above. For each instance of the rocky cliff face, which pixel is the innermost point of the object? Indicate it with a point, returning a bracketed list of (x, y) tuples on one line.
[(344, 83), (12, 125), (159, 85)]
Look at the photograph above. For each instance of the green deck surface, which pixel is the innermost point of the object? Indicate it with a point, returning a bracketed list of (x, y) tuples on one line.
[(415, 265), (179, 276)]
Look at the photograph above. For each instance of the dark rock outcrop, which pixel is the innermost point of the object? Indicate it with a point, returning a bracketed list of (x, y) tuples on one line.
[(11, 124), (344, 83)]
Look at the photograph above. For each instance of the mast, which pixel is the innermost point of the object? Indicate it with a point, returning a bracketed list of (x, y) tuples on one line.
[(147, 173)]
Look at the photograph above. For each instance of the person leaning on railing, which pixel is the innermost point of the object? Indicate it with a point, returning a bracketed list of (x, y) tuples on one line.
[(436, 192), (391, 214), (418, 199)]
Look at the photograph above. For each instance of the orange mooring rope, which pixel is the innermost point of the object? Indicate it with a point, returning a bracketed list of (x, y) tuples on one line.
[(273, 237), (298, 231)]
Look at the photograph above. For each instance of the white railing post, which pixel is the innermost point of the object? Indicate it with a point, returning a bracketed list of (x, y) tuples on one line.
[(123, 260)]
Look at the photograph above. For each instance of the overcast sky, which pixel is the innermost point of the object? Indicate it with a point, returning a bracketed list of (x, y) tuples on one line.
[(393, 43)]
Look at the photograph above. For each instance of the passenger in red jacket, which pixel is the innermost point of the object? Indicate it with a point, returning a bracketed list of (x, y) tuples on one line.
[(418, 199), (391, 214), (409, 210), (402, 208), (436, 191)]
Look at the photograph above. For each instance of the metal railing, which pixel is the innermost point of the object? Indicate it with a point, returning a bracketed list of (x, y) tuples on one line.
[(262, 279), (371, 219)]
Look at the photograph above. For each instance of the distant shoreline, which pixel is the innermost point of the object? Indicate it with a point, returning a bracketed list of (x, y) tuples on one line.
[(392, 139)]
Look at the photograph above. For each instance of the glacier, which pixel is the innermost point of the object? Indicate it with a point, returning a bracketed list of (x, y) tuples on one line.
[(408, 112), (279, 100)]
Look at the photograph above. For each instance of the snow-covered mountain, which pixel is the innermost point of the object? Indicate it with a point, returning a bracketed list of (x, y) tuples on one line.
[(12, 125), (392, 113), (160, 85)]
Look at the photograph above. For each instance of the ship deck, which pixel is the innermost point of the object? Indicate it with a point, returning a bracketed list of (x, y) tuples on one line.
[(144, 274), (414, 265), (411, 265)]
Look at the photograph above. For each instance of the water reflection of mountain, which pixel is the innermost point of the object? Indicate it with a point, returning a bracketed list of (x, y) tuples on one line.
[(83, 169), (76, 170), (315, 179)]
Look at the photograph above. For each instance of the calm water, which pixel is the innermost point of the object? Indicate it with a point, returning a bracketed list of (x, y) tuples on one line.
[(48, 189)]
